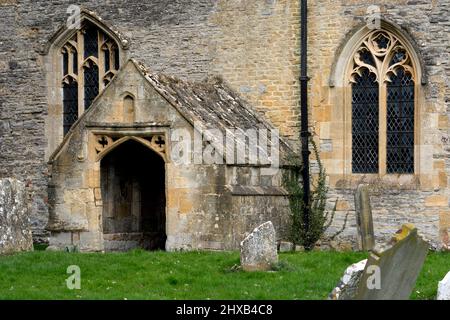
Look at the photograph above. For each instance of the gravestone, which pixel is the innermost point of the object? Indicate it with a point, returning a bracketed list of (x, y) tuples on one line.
[(286, 246), (348, 285), (389, 273), (443, 292), (259, 249), (366, 237), (15, 231), (392, 270)]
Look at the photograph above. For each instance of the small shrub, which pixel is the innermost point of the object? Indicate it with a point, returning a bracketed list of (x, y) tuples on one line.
[(309, 221), (40, 246)]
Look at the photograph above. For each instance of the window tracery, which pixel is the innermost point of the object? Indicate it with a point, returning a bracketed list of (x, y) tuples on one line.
[(90, 59), (383, 103)]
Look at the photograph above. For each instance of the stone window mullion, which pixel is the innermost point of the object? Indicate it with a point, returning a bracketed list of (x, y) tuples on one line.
[(382, 129), (80, 42), (111, 58), (70, 55), (101, 61)]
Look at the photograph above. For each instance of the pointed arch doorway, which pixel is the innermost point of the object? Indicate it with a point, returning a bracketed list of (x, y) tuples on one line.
[(134, 202)]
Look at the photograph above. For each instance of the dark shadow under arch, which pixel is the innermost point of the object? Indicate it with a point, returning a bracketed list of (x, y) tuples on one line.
[(134, 202)]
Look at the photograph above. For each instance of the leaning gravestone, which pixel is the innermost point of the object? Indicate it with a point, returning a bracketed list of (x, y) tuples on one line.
[(390, 272), (259, 249), (443, 292), (397, 265), (366, 236), (15, 232)]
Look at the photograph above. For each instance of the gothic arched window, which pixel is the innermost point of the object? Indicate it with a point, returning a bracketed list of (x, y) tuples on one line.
[(383, 100), (89, 59)]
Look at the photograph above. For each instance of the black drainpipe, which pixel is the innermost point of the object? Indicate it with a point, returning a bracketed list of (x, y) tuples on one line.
[(304, 133)]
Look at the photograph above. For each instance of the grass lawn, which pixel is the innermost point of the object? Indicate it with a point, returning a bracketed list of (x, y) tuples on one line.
[(191, 275)]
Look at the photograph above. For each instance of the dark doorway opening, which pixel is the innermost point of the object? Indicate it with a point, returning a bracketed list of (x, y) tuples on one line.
[(133, 193)]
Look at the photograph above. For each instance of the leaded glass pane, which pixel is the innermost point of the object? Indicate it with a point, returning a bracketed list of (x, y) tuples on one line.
[(382, 41), (106, 52), (400, 123), (365, 123), (90, 85), (75, 62), (399, 55), (70, 105), (366, 57), (90, 42), (65, 62)]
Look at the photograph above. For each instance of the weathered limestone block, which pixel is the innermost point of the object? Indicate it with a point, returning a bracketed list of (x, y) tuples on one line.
[(396, 265), (286, 246), (366, 237), (15, 231), (259, 249), (443, 292), (348, 285), (71, 215)]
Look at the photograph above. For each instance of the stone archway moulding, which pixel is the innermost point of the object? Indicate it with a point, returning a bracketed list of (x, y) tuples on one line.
[(104, 144)]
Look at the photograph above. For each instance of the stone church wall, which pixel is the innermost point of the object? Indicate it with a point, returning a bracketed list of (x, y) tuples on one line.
[(253, 45), (422, 199)]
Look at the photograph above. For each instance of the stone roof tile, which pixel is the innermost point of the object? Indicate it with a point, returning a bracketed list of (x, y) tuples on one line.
[(211, 102)]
